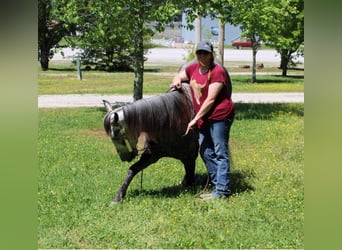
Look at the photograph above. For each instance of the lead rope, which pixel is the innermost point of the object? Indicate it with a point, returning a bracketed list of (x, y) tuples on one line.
[(205, 187), (141, 179)]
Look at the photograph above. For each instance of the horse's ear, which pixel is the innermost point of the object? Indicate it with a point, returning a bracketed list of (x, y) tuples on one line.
[(107, 105)]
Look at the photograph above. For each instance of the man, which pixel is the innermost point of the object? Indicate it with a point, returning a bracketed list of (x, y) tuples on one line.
[(214, 115)]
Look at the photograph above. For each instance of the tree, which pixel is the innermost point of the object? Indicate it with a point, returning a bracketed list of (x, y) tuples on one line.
[(286, 34), (252, 17), (280, 24), (119, 28), (143, 12), (101, 32), (220, 9), (51, 29), (223, 9)]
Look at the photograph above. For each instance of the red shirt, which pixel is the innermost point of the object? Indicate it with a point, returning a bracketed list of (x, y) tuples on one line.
[(223, 106)]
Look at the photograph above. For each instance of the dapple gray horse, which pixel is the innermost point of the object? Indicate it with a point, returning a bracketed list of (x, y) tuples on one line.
[(153, 128)]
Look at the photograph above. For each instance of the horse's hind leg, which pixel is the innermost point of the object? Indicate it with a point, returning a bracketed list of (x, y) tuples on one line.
[(144, 161)]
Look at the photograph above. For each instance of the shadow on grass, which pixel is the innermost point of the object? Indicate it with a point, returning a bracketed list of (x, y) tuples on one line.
[(238, 180), (280, 79), (266, 110), (74, 69), (62, 69), (294, 76), (153, 70), (270, 79), (297, 69)]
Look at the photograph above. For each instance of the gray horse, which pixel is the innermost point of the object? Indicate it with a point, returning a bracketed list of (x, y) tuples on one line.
[(153, 128)]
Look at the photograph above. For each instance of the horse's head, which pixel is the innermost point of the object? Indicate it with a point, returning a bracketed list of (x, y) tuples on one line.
[(114, 125), (111, 120)]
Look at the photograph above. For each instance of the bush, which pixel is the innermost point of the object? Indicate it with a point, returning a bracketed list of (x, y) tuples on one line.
[(112, 59)]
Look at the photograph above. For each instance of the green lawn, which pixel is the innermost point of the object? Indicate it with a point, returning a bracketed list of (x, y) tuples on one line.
[(80, 172), (62, 79)]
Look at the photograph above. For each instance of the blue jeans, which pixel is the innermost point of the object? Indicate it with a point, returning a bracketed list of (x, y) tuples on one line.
[(213, 141)]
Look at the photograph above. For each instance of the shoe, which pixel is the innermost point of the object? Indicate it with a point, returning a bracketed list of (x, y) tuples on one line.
[(207, 196), (212, 196)]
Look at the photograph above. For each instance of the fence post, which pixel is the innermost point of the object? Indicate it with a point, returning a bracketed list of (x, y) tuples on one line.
[(79, 72)]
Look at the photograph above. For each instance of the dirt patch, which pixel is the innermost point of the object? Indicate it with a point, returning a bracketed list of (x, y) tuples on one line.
[(96, 132)]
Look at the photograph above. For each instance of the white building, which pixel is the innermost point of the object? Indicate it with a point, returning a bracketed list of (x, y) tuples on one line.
[(178, 35), (209, 31)]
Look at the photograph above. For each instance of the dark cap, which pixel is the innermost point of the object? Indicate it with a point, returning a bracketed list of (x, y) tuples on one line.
[(206, 46)]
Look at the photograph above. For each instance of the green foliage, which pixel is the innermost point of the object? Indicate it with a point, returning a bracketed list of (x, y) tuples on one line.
[(51, 29), (101, 33), (280, 24), (108, 30), (79, 173)]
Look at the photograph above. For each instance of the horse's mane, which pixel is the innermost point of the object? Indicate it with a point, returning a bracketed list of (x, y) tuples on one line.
[(161, 116)]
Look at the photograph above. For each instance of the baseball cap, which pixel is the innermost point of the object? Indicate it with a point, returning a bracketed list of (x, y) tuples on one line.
[(206, 46)]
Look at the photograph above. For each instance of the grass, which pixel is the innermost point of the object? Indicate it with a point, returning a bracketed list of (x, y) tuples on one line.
[(80, 172), (62, 79)]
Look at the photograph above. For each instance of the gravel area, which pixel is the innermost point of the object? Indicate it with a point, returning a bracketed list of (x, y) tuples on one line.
[(94, 100)]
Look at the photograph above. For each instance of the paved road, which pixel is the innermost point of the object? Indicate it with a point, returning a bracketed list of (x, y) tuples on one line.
[(95, 100), (177, 56)]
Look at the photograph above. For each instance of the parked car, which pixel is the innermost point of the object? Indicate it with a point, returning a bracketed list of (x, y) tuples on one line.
[(241, 44), (214, 31)]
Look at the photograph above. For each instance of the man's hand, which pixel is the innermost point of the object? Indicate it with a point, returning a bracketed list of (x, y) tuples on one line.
[(176, 85), (191, 124), (177, 80)]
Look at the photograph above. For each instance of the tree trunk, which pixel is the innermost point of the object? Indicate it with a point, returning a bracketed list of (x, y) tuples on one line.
[(139, 70), (44, 57), (254, 64), (139, 59), (284, 62)]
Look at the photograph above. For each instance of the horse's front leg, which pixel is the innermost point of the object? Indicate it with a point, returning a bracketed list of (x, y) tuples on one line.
[(122, 190), (189, 167), (144, 161)]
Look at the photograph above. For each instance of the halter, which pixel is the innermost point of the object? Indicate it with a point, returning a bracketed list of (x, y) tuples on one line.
[(122, 142)]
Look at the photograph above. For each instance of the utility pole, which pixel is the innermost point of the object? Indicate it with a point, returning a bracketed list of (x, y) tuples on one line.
[(198, 32), (221, 42)]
